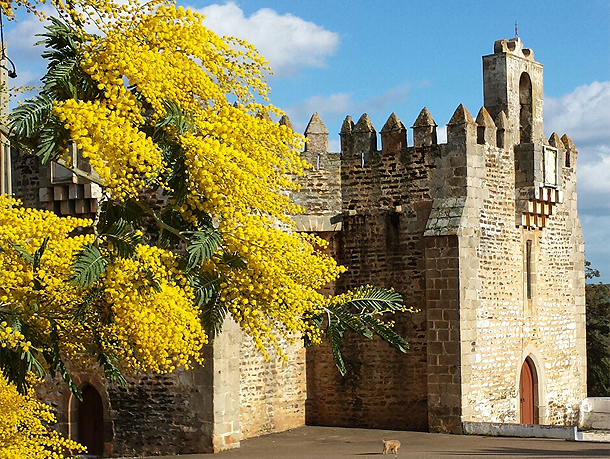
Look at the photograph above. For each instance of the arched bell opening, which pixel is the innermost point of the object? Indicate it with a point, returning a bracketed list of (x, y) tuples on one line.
[(526, 115)]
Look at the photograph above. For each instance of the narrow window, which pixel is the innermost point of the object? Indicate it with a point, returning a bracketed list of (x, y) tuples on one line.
[(528, 268), (526, 114), (5, 166)]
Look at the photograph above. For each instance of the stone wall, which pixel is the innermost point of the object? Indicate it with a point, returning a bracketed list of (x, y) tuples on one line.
[(508, 327), (385, 204), (443, 334), (26, 176), (237, 394), (447, 226), (141, 417), (272, 393)]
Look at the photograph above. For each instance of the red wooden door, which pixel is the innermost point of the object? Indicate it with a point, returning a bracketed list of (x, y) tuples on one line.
[(91, 421), (526, 393)]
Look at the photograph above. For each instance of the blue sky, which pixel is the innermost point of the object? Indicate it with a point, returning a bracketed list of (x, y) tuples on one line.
[(350, 57)]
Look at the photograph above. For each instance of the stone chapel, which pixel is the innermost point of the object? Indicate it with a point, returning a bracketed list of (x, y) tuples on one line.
[(480, 234)]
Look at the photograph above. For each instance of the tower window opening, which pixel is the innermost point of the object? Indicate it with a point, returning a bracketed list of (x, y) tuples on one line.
[(528, 269), (525, 113)]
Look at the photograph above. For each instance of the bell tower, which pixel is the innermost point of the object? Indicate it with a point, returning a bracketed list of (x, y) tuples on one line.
[(512, 83)]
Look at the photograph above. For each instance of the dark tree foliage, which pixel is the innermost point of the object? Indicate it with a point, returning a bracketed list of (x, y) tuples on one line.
[(598, 336)]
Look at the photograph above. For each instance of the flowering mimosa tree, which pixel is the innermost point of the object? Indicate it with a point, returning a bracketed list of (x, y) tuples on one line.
[(195, 221)]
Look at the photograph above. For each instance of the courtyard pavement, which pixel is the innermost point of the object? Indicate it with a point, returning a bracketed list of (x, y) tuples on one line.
[(311, 442)]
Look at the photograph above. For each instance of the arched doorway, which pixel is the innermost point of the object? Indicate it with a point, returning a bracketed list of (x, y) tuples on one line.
[(90, 417), (528, 393), (526, 109)]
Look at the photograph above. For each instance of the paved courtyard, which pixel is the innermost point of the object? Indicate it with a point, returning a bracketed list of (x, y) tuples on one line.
[(332, 442)]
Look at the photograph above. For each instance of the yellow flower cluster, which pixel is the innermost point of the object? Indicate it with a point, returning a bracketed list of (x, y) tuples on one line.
[(7, 7), (13, 339), (238, 160), (238, 168), (156, 325), (146, 316), (100, 127), (37, 295), (23, 427)]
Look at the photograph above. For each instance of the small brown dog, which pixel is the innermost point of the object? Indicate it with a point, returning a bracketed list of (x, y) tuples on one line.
[(391, 446)]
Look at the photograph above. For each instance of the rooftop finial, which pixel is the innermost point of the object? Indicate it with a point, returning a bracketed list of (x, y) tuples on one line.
[(516, 30)]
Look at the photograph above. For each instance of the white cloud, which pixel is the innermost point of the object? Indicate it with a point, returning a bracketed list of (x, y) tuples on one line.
[(20, 39), (584, 115), (335, 107), (594, 175), (597, 250), (287, 41)]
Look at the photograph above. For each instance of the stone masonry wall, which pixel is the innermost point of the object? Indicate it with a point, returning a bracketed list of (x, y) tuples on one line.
[(272, 393), (155, 408), (385, 203), (560, 308), (496, 346), (549, 327), (443, 334), (141, 417), (26, 178)]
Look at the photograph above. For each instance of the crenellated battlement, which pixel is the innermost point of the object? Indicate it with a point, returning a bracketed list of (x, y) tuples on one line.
[(375, 172)]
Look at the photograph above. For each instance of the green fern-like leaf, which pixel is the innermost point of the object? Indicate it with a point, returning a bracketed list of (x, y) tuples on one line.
[(23, 253), (174, 116), (334, 334), (350, 320), (374, 300), (213, 314), (387, 334), (123, 238), (39, 253), (112, 211), (233, 260), (203, 244), (111, 370), (205, 287), (81, 312), (26, 120), (207, 298), (16, 365), (53, 138), (60, 76), (361, 313), (88, 266)]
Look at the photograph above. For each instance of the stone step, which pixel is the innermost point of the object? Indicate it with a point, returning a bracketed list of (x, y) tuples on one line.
[(602, 436)]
